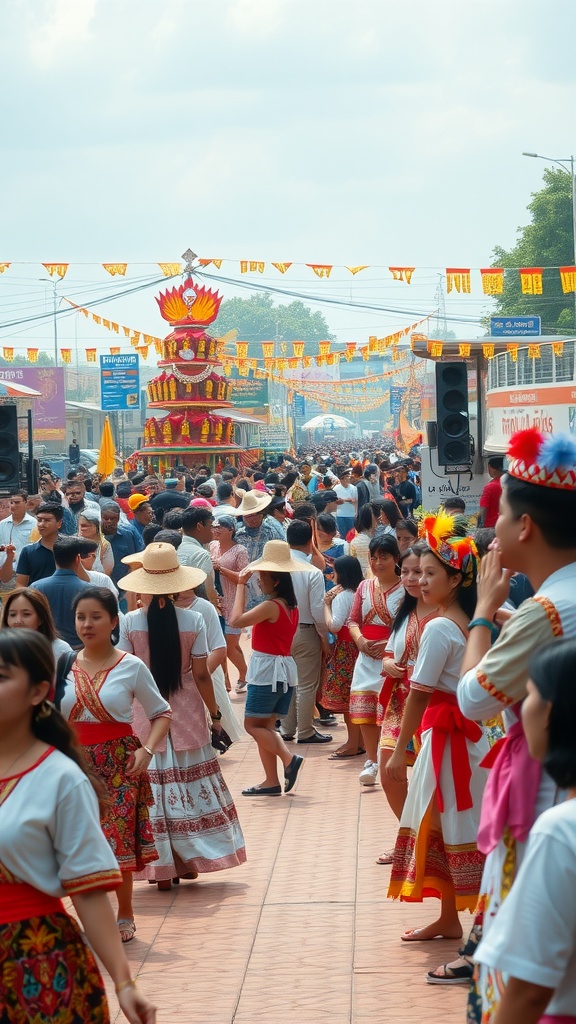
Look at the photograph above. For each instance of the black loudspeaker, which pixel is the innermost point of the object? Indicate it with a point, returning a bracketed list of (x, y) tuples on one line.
[(431, 434), (9, 447), (452, 420)]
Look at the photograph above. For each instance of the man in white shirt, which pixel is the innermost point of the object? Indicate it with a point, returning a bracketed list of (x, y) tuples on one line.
[(311, 641), (348, 508), (15, 532)]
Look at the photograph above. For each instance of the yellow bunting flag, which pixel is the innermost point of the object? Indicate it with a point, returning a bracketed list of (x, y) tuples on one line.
[(292, 364), (464, 350), (298, 349), (397, 355), (307, 362), (568, 279), (217, 263), (350, 350), (8, 354), (436, 349), (241, 349), (283, 348), (170, 269), (282, 267), (114, 350), (488, 351), (531, 280), (373, 344), (32, 354), (512, 351), (533, 351), (492, 280), (558, 348), (114, 327), (243, 266), (90, 355), (323, 347), (56, 268), (458, 278), (321, 269), (135, 339), (115, 268), (66, 355), (96, 319), (3, 267), (106, 324), (256, 267), (356, 270), (268, 349), (159, 346), (402, 273), (143, 351), (365, 353)]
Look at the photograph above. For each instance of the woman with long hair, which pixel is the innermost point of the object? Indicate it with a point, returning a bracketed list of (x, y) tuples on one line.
[(374, 609), (532, 970), (272, 671), (51, 846), (329, 544), (228, 559), (406, 531), (98, 701), (436, 852), (28, 608), (194, 819), (365, 526), (90, 527), (339, 665), (397, 667), (388, 515)]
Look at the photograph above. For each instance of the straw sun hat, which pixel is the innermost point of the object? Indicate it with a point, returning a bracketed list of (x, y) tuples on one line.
[(161, 572), (276, 557), (252, 502)]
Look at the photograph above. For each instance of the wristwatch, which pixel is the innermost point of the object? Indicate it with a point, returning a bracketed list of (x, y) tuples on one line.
[(217, 717)]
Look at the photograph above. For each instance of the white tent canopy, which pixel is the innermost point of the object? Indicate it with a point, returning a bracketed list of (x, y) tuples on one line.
[(328, 423)]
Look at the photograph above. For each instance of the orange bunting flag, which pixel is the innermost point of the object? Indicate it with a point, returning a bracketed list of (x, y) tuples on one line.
[(533, 351), (298, 348), (106, 324), (558, 348), (135, 339), (356, 270), (241, 349), (159, 346), (568, 279), (66, 355), (365, 353), (282, 267), (323, 347), (436, 349), (512, 351), (56, 268), (243, 266), (143, 351), (96, 319), (350, 350), (84, 312), (206, 263), (32, 354), (492, 280), (488, 351), (8, 354), (464, 350), (268, 349), (307, 362), (3, 267), (292, 364), (321, 269), (114, 350), (458, 278), (115, 268), (402, 273), (170, 269), (531, 280), (373, 344), (397, 355), (90, 355)]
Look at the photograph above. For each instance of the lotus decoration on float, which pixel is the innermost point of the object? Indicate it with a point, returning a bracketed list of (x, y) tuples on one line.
[(189, 304)]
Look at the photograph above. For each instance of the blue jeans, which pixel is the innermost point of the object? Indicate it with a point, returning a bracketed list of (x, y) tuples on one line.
[(344, 525)]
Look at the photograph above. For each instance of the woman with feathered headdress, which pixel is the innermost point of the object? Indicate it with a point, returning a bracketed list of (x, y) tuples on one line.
[(435, 853)]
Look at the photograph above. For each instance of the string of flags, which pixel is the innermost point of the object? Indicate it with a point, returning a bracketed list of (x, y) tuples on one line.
[(458, 279)]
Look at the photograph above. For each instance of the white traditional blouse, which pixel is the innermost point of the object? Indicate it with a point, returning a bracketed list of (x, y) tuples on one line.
[(117, 689), (50, 833)]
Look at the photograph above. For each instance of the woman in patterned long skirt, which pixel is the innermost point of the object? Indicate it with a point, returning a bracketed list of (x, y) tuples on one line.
[(51, 846), (343, 652)]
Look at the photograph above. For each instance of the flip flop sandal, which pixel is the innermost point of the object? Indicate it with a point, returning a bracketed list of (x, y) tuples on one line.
[(341, 757), (386, 858), (452, 975), (415, 935), (127, 926), (262, 791)]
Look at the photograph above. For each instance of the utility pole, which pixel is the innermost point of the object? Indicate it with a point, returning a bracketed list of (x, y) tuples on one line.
[(440, 300)]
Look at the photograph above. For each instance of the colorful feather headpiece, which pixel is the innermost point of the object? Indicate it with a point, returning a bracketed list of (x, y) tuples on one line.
[(460, 553), (548, 460)]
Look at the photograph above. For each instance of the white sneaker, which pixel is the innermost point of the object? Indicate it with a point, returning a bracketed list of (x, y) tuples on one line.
[(369, 774)]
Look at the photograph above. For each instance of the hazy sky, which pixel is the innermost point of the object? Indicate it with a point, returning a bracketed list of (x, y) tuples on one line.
[(384, 132)]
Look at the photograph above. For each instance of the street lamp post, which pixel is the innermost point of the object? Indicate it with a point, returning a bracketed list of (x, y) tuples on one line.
[(55, 304), (562, 163)]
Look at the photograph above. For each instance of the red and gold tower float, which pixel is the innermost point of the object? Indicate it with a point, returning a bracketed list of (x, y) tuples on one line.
[(191, 386)]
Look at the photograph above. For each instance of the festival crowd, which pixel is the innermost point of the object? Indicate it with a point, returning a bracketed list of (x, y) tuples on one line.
[(444, 643)]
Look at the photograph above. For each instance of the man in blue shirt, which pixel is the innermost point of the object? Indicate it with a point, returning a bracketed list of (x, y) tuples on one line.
[(124, 540), (61, 588)]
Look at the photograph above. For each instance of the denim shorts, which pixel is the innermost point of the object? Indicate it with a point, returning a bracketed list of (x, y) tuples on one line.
[(261, 701), (231, 630)]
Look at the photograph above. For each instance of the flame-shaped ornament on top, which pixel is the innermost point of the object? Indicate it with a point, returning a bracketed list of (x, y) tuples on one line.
[(189, 304)]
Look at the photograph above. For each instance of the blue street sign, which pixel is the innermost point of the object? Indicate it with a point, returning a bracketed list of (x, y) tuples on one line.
[(119, 383), (515, 326)]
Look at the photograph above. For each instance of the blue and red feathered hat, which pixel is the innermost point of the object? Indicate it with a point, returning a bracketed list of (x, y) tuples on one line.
[(548, 460)]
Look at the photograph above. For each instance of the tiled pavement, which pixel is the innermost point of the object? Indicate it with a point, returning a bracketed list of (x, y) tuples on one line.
[(302, 933)]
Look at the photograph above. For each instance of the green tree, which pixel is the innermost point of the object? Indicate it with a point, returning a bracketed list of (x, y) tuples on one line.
[(257, 319), (546, 242)]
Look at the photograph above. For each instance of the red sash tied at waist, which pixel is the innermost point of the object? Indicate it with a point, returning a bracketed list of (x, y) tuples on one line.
[(444, 718), (89, 733), (344, 635), (19, 901), (510, 796), (389, 682), (371, 631)]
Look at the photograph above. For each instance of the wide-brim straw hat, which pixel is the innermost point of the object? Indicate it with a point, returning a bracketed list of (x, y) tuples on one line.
[(161, 573), (277, 557), (252, 502)]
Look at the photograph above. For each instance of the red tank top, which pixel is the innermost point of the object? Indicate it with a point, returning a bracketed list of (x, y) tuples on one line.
[(276, 637)]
